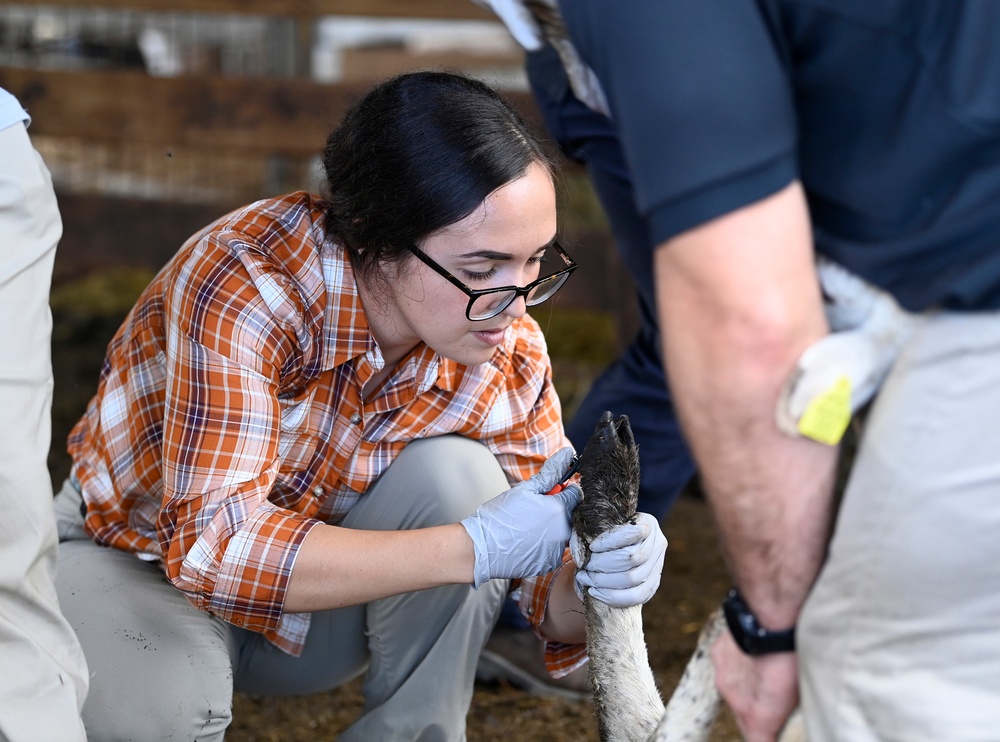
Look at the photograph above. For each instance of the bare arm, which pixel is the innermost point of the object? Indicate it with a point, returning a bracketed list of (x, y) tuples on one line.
[(337, 567), (739, 302), (565, 620), (520, 532)]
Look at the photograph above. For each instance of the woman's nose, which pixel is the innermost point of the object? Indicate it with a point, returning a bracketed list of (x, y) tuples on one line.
[(517, 308)]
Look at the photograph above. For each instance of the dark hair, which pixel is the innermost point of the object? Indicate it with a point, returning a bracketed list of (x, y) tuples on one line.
[(419, 152)]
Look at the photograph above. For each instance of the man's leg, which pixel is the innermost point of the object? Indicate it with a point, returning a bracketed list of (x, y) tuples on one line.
[(420, 648), (899, 639), (43, 676), (160, 668), (634, 384)]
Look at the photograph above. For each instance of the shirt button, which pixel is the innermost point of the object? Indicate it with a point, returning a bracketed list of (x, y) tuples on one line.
[(356, 418), (317, 491)]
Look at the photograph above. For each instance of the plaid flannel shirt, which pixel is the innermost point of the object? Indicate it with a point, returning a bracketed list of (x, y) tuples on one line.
[(228, 420)]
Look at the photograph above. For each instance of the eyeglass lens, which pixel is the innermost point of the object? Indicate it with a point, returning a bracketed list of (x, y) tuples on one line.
[(490, 305)]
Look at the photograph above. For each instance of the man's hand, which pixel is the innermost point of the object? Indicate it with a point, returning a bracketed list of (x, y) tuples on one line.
[(625, 563), (761, 691), (524, 531)]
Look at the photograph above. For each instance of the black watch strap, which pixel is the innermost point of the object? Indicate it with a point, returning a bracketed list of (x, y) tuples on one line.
[(750, 636)]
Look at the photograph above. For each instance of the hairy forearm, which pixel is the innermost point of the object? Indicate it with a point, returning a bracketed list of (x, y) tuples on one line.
[(730, 342), (337, 567), (771, 494)]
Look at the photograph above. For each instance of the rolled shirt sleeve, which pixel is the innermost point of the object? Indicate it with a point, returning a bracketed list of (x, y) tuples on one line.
[(224, 544)]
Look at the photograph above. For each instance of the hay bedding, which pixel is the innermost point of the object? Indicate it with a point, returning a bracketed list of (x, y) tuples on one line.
[(694, 580)]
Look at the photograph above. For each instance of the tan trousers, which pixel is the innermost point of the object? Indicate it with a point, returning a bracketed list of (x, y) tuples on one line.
[(43, 676), (900, 637)]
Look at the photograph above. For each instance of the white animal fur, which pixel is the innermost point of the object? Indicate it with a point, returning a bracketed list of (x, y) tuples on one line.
[(632, 710), (627, 702), (694, 704), (625, 689)]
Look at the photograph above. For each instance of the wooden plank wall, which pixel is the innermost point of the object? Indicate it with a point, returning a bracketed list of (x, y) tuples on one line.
[(286, 119), (281, 121), (308, 9), (289, 116)]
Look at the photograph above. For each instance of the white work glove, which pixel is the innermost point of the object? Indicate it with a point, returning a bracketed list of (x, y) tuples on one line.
[(523, 531), (841, 372), (625, 563), (518, 20)]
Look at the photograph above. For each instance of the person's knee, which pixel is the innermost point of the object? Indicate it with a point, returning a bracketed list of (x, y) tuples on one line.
[(159, 667), (452, 476), (152, 687), (194, 706)]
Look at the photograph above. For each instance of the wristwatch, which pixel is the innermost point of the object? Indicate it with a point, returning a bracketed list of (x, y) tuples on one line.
[(750, 636)]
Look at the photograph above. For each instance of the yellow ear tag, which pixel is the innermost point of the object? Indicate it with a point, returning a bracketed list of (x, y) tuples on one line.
[(828, 414)]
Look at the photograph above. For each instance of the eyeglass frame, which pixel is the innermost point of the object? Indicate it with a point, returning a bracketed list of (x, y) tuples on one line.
[(519, 291)]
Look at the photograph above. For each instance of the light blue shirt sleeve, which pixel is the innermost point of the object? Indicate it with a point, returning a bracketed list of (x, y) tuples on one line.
[(11, 111)]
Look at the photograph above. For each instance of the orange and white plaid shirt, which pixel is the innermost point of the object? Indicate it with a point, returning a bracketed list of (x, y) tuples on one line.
[(229, 420)]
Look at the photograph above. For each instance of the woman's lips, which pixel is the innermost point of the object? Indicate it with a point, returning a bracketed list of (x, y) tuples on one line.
[(491, 337)]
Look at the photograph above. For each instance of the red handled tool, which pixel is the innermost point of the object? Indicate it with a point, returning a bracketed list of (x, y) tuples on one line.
[(574, 466)]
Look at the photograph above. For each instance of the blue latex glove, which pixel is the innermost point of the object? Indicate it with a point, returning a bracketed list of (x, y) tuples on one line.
[(625, 563), (523, 532)]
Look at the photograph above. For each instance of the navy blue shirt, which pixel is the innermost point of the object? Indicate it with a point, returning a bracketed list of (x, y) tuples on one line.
[(888, 111)]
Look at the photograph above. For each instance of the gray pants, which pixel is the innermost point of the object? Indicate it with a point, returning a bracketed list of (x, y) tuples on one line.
[(900, 637), (161, 669)]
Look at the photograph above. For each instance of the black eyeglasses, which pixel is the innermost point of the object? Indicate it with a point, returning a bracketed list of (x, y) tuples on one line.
[(488, 303)]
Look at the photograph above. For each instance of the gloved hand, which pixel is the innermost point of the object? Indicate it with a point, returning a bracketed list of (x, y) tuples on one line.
[(625, 563), (518, 20), (839, 373), (523, 532)]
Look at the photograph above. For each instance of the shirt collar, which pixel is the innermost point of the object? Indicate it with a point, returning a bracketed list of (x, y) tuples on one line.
[(346, 334)]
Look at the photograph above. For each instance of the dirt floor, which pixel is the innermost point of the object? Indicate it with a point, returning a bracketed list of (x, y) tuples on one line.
[(86, 313), (694, 581)]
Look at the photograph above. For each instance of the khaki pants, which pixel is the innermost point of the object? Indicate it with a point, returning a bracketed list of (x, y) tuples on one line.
[(165, 670), (43, 676), (900, 637)]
